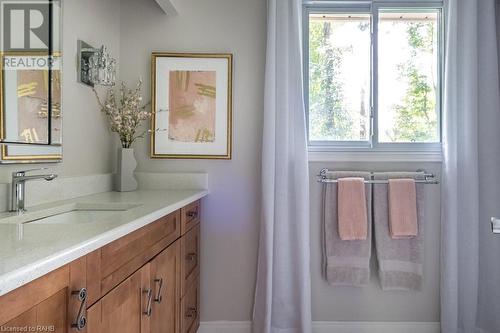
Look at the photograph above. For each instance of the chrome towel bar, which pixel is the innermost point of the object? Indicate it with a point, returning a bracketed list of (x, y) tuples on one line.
[(429, 178)]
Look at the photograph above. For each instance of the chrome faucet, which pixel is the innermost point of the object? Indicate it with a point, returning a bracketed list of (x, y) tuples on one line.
[(18, 189)]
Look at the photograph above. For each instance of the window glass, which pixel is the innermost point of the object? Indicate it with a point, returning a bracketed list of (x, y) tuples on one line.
[(339, 77), (408, 80)]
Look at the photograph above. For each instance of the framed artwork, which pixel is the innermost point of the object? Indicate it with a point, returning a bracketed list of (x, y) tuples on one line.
[(192, 105)]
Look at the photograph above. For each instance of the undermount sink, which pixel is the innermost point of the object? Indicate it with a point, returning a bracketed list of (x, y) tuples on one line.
[(70, 214)]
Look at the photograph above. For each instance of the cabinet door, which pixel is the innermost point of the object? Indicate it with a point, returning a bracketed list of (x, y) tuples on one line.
[(47, 316), (54, 302), (125, 309), (165, 282)]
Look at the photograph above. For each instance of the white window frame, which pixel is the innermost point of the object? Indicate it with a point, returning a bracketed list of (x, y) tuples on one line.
[(373, 146)]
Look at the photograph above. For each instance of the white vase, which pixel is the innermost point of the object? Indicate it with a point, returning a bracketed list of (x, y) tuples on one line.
[(125, 179)]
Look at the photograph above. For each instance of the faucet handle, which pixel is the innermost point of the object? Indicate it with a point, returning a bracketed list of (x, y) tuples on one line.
[(23, 172)]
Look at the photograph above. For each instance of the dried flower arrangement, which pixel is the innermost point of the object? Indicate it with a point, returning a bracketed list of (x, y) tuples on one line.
[(125, 113)]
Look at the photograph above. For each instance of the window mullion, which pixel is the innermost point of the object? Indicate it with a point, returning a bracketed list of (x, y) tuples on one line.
[(374, 76)]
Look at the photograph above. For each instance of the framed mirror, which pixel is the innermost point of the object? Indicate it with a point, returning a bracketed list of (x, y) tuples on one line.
[(31, 81)]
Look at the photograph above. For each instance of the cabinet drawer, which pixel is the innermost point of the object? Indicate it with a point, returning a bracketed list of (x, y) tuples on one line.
[(190, 216), (190, 305), (124, 256), (190, 258), (126, 309)]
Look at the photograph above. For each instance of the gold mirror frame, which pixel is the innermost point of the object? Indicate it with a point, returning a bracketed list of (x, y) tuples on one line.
[(36, 153), (6, 156)]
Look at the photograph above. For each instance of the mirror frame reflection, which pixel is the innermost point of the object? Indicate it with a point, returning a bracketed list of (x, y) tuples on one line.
[(24, 151)]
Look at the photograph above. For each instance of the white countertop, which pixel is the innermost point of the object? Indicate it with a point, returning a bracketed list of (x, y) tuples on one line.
[(29, 251)]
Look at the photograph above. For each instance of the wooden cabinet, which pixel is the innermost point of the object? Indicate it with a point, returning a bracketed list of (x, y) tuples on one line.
[(53, 303), (190, 253), (126, 309), (190, 216), (190, 309), (50, 315), (165, 279), (147, 301), (122, 257), (144, 282)]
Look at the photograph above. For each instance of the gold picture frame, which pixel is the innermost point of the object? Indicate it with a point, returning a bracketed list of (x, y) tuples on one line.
[(174, 143)]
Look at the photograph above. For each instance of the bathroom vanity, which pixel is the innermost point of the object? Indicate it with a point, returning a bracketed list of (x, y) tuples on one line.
[(115, 262)]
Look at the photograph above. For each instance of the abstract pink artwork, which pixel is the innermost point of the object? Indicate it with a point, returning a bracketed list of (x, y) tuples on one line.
[(192, 106)]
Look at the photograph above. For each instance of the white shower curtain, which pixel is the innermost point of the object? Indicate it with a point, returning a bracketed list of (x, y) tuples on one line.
[(470, 254), (283, 291)]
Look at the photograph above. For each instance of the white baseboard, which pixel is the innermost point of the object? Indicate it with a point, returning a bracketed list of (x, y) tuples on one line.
[(330, 327), (225, 327)]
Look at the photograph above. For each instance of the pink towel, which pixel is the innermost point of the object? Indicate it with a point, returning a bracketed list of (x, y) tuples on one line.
[(353, 220), (402, 208)]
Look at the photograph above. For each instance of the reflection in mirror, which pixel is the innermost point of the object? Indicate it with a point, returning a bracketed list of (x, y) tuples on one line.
[(30, 80), (27, 102)]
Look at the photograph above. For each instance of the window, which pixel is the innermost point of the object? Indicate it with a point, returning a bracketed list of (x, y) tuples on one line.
[(373, 75)]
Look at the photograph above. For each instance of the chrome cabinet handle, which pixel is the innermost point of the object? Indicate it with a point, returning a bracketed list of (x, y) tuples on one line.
[(149, 294), (191, 256), (192, 214), (191, 312), (81, 320), (158, 297)]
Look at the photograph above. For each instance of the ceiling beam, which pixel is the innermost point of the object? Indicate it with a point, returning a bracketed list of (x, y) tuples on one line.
[(167, 6)]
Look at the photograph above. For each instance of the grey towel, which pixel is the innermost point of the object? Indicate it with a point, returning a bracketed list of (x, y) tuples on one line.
[(346, 262), (400, 260)]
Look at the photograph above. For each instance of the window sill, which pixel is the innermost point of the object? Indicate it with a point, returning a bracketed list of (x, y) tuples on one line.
[(375, 156)]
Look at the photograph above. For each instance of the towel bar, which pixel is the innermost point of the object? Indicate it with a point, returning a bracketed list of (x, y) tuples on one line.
[(429, 179)]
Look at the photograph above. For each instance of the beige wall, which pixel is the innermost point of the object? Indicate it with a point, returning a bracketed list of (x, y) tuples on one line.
[(88, 145), (231, 211)]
